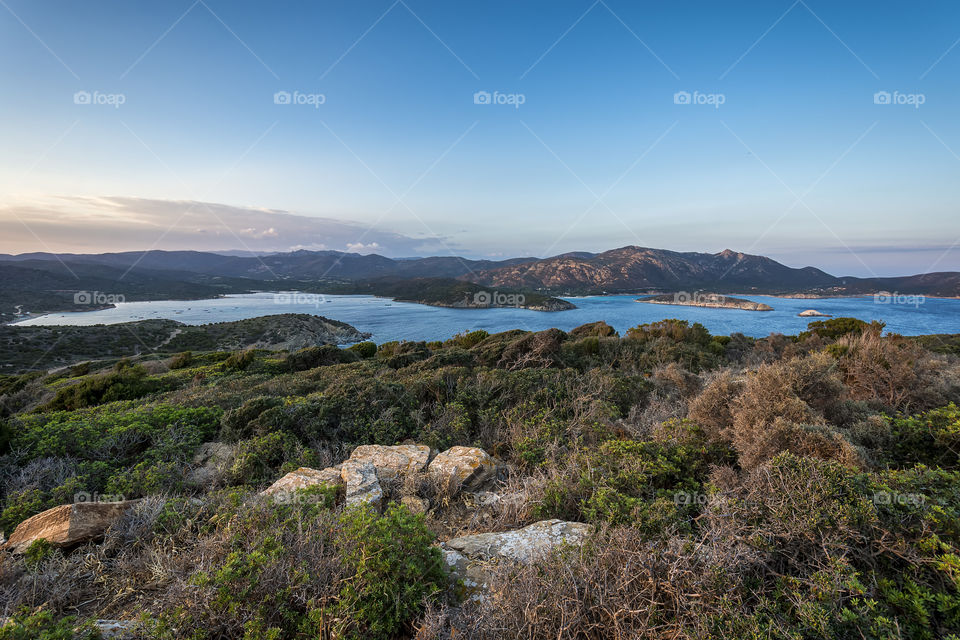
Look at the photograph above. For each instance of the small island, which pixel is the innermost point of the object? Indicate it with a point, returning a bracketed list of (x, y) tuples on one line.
[(709, 300), (813, 313), (449, 293)]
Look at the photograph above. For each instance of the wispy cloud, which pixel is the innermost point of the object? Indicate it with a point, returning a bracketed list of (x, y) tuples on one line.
[(118, 223)]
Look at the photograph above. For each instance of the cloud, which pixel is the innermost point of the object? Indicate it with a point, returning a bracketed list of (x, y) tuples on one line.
[(359, 247), (84, 224)]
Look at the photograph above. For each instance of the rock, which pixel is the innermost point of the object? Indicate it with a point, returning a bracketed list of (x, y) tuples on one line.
[(468, 557), (362, 483), (117, 629), (211, 461), (395, 460), (302, 478), (415, 505), (68, 524), (813, 313), (470, 467)]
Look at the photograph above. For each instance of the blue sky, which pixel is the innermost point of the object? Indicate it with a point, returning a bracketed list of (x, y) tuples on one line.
[(798, 162)]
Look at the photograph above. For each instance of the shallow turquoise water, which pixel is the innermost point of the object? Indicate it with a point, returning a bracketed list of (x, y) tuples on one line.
[(388, 320)]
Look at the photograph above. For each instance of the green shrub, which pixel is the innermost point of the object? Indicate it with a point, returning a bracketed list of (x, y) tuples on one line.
[(648, 485), (834, 328), (38, 551), (239, 360), (41, 625), (312, 357), (242, 422), (467, 340), (126, 382), (364, 349), (394, 570), (181, 360)]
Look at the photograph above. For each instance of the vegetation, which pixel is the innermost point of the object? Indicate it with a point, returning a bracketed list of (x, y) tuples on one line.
[(35, 347), (447, 292), (788, 487)]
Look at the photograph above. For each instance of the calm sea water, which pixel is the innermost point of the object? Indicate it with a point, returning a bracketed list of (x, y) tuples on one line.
[(388, 320)]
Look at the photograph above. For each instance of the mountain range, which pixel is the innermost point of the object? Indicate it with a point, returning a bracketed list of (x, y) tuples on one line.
[(46, 281)]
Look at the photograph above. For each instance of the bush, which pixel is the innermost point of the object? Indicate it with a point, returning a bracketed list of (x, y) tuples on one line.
[(41, 625), (242, 422), (300, 570), (838, 327), (364, 349), (395, 572), (126, 382), (642, 484), (777, 397), (467, 340), (239, 360), (892, 371), (181, 360), (312, 357)]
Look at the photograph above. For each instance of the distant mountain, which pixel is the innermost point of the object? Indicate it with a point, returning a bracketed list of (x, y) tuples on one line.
[(313, 265), (630, 269), (633, 269), (39, 282)]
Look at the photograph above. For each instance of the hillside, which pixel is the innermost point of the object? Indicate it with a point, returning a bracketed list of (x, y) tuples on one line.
[(44, 347), (515, 485)]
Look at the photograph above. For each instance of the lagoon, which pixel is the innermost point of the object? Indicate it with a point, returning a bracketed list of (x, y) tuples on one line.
[(388, 320)]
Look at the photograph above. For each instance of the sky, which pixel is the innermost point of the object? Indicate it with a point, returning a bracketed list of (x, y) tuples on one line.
[(815, 132)]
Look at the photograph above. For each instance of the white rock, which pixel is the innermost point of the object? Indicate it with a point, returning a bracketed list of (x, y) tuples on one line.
[(362, 483), (468, 557), (395, 460), (470, 467), (304, 477)]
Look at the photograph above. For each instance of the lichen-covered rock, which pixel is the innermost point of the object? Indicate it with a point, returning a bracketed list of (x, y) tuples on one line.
[(117, 629), (469, 467), (468, 557), (362, 484), (68, 524), (395, 460), (211, 461), (302, 478)]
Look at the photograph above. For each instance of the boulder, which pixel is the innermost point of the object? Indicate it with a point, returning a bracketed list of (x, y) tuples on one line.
[(68, 524), (210, 463), (302, 478), (395, 460), (469, 467), (468, 558), (362, 483)]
